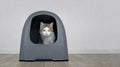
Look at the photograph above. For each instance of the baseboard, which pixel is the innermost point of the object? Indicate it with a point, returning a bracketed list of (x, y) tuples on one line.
[(95, 51), (6, 51), (90, 51)]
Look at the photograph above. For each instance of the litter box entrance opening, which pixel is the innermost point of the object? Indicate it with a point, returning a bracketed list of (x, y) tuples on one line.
[(35, 27)]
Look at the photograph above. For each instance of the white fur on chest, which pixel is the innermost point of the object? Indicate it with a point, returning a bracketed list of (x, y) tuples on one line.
[(48, 40)]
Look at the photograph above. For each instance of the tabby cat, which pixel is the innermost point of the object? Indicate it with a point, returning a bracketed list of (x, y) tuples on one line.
[(47, 33)]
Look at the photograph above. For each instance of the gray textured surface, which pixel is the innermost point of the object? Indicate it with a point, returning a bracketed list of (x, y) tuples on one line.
[(31, 51), (75, 60)]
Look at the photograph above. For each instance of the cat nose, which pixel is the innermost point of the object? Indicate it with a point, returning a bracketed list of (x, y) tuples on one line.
[(46, 34)]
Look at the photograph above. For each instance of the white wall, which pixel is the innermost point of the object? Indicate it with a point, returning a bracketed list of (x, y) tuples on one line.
[(92, 26)]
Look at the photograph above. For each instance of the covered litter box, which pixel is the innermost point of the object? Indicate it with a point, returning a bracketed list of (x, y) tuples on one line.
[(32, 47)]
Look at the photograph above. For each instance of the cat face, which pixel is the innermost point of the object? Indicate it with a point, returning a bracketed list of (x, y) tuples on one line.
[(46, 29)]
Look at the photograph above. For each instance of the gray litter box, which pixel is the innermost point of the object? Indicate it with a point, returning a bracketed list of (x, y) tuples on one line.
[(32, 47)]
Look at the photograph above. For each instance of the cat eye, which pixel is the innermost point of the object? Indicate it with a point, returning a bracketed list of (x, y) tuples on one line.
[(43, 30)]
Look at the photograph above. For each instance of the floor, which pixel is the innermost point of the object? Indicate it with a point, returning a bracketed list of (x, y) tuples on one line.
[(75, 60)]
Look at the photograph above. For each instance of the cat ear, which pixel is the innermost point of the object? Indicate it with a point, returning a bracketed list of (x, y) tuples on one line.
[(51, 24), (41, 25)]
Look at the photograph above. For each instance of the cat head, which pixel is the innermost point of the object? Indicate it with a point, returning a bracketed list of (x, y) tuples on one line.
[(46, 29)]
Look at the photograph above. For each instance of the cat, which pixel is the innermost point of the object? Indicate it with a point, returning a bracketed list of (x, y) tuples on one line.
[(47, 33)]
